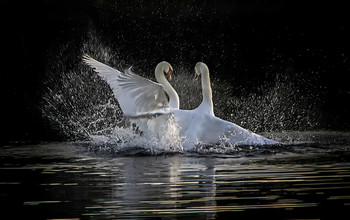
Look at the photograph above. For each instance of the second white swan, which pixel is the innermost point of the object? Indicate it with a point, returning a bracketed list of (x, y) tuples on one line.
[(202, 126)]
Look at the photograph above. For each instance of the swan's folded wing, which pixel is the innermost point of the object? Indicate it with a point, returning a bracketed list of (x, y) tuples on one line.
[(237, 135), (134, 93)]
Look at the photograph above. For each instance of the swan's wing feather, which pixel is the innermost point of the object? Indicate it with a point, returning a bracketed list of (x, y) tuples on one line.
[(107, 73), (134, 93), (148, 96)]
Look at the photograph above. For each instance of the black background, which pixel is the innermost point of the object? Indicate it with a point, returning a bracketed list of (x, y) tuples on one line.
[(244, 42)]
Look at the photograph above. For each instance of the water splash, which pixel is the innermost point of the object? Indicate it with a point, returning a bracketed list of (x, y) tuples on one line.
[(81, 106), (165, 140), (76, 103), (279, 105)]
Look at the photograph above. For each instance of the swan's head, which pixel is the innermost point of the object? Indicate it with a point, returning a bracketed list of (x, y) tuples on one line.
[(165, 68), (200, 68)]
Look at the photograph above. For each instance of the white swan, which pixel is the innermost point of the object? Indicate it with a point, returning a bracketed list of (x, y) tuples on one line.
[(202, 126), (137, 95), (140, 98)]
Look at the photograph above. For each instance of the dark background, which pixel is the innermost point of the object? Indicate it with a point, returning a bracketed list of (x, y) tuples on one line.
[(244, 42)]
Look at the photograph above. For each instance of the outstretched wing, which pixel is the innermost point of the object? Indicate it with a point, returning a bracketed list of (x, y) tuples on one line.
[(134, 93)]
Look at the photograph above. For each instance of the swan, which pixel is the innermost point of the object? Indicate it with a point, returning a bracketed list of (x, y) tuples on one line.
[(138, 96), (200, 125)]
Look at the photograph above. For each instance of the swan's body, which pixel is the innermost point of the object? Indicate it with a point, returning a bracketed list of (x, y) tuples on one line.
[(139, 98)]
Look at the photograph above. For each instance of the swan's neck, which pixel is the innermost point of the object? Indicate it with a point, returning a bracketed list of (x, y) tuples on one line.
[(174, 101), (207, 93)]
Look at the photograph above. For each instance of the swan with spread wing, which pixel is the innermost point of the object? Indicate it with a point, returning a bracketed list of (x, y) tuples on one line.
[(139, 97)]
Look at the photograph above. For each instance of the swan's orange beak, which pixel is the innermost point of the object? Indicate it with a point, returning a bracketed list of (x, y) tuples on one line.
[(169, 74)]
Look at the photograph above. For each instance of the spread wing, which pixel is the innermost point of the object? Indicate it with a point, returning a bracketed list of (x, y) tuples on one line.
[(134, 93)]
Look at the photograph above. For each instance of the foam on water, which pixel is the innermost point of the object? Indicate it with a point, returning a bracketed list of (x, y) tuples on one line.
[(81, 106), (161, 138)]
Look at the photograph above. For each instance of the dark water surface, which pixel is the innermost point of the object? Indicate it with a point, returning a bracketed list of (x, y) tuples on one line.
[(308, 179)]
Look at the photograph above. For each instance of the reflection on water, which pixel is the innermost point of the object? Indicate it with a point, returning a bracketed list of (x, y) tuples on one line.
[(63, 180)]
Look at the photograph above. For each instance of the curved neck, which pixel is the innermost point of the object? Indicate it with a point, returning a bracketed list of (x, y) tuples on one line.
[(174, 101), (206, 90)]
